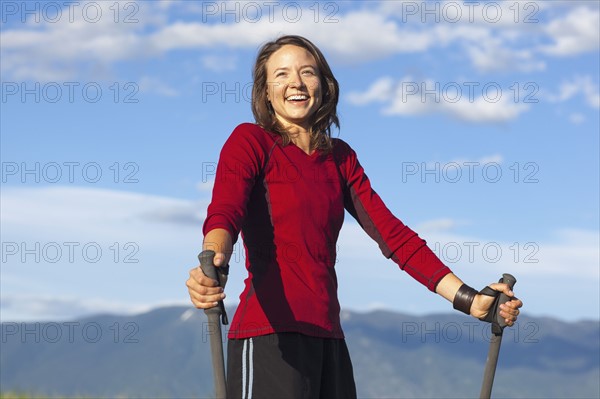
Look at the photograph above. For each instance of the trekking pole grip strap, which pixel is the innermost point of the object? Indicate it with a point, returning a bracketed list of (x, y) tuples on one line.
[(464, 299), (493, 315)]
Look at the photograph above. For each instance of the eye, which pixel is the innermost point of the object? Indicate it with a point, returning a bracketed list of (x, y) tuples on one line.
[(280, 74), (308, 72)]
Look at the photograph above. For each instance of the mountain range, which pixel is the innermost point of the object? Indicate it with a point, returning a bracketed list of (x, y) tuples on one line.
[(165, 353)]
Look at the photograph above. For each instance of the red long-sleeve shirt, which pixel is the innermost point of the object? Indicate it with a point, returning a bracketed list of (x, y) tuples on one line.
[(289, 207)]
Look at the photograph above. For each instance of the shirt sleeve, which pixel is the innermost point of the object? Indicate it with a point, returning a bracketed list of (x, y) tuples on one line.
[(239, 165), (396, 240)]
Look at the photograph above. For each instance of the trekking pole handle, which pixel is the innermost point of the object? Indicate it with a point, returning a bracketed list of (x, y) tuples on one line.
[(511, 281), (208, 267), (207, 264)]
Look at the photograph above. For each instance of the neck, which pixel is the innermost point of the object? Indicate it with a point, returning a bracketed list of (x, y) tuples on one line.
[(302, 140), (300, 136)]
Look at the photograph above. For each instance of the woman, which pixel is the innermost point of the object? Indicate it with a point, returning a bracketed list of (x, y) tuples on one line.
[(284, 183)]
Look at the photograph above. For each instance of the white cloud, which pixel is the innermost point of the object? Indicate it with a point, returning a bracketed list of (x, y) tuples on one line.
[(219, 63), (139, 250), (492, 47), (380, 91), (571, 257), (570, 247), (35, 307), (553, 257), (576, 118), (409, 96), (383, 37), (340, 39), (492, 55), (436, 225), (578, 85), (89, 211), (167, 249), (64, 49), (166, 4), (495, 36), (148, 84), (492, 15), (206, 186), (575, 33), (496, 158), (484, 111)]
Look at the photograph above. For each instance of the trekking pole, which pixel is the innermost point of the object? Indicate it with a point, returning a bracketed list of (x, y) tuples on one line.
[(497, 328), (214, 324)]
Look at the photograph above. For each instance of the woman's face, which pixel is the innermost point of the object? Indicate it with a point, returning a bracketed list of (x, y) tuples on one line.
[(293, 86)]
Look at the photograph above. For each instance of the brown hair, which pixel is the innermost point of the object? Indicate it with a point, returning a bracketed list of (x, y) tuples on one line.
[(324, 117)]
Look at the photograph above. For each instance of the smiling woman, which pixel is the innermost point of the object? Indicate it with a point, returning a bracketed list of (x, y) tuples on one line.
[(294, 94), (284, 184), (293, 66)]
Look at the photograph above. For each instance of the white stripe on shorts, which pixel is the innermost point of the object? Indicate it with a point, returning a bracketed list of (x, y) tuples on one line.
[(247, 368), (251, 369)]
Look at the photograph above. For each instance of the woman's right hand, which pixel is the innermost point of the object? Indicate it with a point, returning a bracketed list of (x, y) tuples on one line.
[(205, 292)]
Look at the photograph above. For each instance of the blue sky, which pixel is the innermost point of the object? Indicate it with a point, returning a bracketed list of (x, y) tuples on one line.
[(477, 122)]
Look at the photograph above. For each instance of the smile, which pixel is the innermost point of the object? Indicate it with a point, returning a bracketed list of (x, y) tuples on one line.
[(297, 97)]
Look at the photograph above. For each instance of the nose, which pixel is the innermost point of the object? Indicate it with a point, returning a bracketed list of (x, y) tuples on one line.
[(296, 80)]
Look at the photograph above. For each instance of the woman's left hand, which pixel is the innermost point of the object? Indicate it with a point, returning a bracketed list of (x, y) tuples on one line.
[(508, 310)]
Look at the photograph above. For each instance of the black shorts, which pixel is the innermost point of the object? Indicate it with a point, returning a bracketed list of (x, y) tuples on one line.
[(289, 365)]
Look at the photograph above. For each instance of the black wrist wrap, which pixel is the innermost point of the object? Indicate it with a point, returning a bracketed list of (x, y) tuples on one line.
[(464, 299)]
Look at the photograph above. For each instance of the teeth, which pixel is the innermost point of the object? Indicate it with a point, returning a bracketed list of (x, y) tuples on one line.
[(297, 97)]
